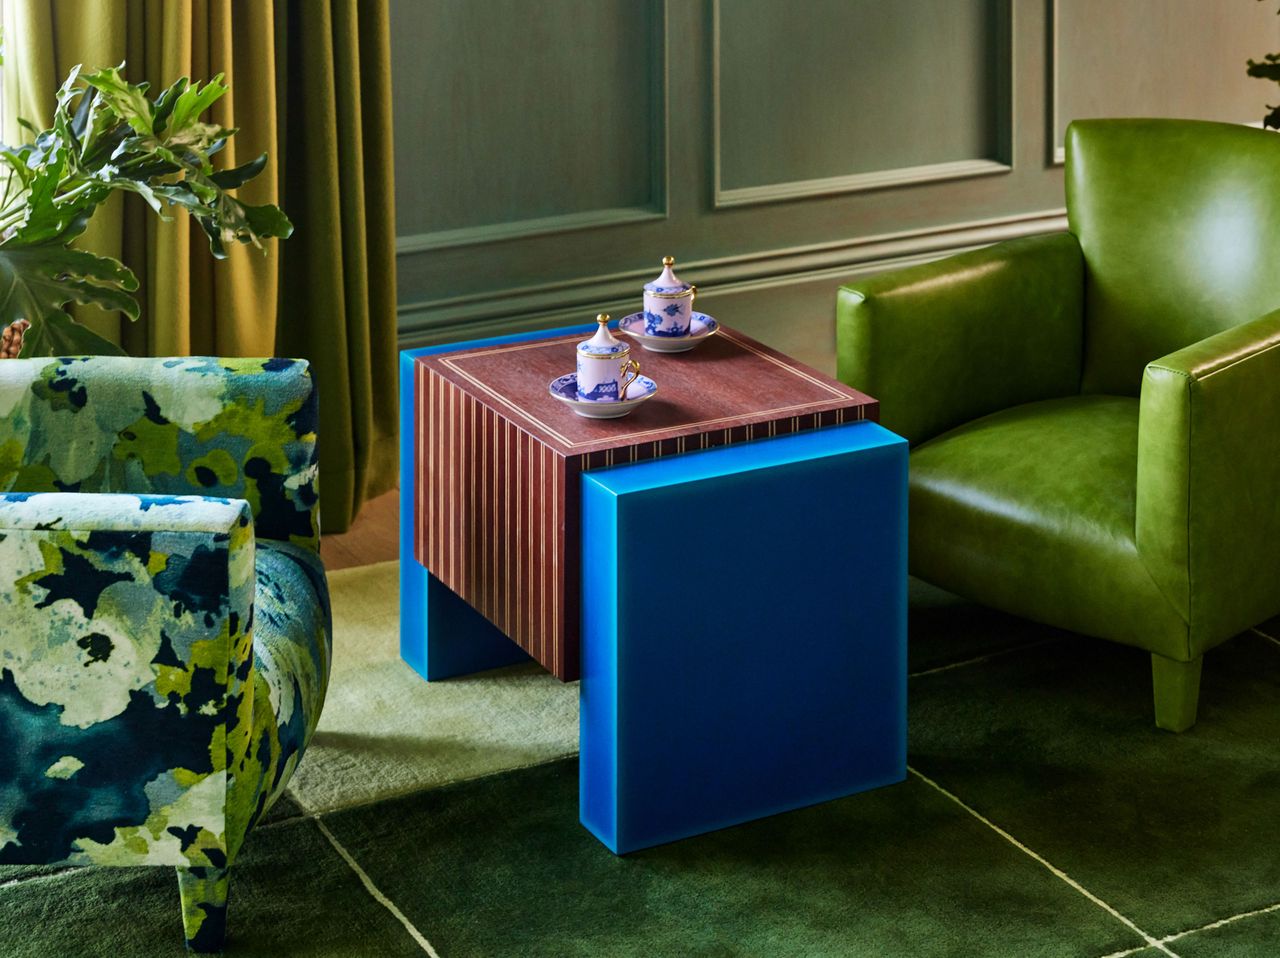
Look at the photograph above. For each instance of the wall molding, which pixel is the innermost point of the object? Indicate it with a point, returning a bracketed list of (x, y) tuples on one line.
[(521, 229), (875, 179), (1053, 55), (659, 192), (858, 182), (567, 301)]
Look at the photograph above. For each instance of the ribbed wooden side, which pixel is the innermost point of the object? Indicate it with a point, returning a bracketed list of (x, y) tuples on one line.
[(717, 437), (492, 519), (498, 511)]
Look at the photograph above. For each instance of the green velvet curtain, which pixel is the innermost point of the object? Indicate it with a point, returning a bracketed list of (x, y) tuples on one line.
[(310, 85)]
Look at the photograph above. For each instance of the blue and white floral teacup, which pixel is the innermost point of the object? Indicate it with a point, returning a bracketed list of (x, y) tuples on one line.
[(604, 363), (668, 303)]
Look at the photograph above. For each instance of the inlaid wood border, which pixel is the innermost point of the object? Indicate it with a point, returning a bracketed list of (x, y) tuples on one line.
[(513, 410)]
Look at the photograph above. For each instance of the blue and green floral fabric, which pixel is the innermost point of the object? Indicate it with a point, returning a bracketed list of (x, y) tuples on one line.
[(164, 616)]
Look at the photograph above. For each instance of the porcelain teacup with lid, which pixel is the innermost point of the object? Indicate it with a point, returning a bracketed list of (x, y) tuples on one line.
[(605, 366), (668, 303)]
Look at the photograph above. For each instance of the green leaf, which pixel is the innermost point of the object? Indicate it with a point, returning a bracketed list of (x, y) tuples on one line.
[(48, 215), (143, 189), (108, 135), (216, 234), (268, 221), (238, 176), (41, 218), (181, 194), (193, 101), (37, 281), (128, 101), (57, 334), (165, 103), (1269, 70), (16, 159), (66, 93)]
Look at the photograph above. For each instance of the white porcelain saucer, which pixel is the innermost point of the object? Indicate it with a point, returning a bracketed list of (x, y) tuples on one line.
[(565, 388), (700, 327)]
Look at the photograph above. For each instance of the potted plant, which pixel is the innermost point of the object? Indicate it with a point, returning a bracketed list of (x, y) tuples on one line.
[(108, 135)]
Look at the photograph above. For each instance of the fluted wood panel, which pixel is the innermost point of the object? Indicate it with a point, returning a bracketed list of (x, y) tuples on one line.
[(499, 463)]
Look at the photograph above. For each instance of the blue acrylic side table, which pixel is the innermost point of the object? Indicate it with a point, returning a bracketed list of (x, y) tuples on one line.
[(742, 626), (744, 632)]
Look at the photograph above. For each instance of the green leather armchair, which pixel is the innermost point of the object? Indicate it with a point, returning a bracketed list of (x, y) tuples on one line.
[(1095, 415)]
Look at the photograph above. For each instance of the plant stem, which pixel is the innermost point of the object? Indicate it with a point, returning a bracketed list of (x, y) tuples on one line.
[(15, 217)]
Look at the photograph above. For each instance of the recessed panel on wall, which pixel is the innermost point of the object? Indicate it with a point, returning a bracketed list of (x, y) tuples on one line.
[(514, 118), (1179, 58), (830, 96)]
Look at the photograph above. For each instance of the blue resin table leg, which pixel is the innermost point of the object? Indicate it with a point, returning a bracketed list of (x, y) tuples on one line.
[(440, 634), (744, 632)]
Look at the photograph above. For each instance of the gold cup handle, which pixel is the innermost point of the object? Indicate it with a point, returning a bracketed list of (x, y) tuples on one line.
[(693, 294), (633, 366)]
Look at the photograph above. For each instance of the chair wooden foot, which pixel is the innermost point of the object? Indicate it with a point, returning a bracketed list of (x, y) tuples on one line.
[(1177, 691), (204, 907)]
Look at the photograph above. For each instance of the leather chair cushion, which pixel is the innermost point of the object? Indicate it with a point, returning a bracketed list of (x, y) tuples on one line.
[(1031, 509), (1179, 222)]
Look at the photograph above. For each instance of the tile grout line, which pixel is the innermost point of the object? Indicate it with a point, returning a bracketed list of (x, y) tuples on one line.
[(1212, 926), (986, 656), (1053, 869), (373, 890), (1222, 922)]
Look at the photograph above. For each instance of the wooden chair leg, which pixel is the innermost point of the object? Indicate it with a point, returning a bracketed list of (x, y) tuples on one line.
[(204, 907), (1177, 691)]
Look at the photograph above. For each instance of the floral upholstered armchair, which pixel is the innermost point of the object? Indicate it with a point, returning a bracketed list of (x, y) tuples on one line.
[(164, 615)]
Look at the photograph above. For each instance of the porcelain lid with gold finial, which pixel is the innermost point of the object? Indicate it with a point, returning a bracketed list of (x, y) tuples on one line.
[(603, 343), (668, 283)]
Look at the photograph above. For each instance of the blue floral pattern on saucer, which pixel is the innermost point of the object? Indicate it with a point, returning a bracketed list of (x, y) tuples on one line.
[(565, 388), (645, 327), (653, 326)]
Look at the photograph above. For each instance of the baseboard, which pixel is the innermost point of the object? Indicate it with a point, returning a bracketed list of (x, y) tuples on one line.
[(500, 311)]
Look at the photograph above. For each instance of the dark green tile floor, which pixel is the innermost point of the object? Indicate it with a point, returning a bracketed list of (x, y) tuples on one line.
[(898, 871), (1045, 816)]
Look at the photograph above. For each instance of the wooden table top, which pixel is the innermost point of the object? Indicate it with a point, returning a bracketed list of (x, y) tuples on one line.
[(500, 461), (728, 381)]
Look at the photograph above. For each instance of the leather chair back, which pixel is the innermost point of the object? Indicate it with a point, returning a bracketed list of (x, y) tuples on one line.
[(1179, 222)]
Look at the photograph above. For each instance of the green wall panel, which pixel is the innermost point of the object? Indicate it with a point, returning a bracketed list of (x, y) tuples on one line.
[(550, 152), (868, 92), (524, 114)]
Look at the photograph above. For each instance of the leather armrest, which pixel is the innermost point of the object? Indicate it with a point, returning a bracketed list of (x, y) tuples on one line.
[(949, 341), (1208, 501)]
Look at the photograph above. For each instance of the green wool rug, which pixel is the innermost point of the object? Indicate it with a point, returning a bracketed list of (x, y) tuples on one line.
[(1044, 815)]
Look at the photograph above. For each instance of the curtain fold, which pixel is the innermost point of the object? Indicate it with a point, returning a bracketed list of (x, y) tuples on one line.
[(311, 86)]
